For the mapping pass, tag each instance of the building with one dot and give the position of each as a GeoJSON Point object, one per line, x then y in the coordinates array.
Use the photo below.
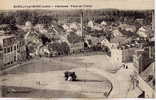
{"type": "Point", "coordinates": [13, 50]}
{"type": "Point", "coordinates": [21, 50]}
{"type": "Point", "coordinates": [1, 57]}
{"type": "Point", "coordinates": [141, 59]}
{"type": "Point", "coordinates": [152, 48]}
{"type": "Point", "coordinates": [149, 75]}
{"type": "Point", "coordinates": [144, 57]}
{"type": "Point", "coordinates": [128, 54]}
{"type": "Point", "coordinates": [116, 56]}
{"type": "Point", "coordinates": [9, 56]}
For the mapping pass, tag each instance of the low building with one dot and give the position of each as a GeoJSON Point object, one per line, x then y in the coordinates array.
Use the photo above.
{"type": "Point", "coordinates": [13, 50]}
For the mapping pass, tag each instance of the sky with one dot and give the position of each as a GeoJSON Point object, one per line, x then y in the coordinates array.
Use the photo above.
{"type": "Point", "coordinates": [94, 4]}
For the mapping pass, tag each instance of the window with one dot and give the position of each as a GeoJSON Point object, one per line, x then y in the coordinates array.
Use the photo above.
{"type": "Point", "coordinates": [5, 50]}
{"type": "Point", "coordinates": [14, 47]}
{"type": "Point", "coordinates": [11, 49]}
{"type": "Point", "coordinates": [11, 62]}
{"type": "Point", "coordinates": [1, 55]}
{"type": "Point", "coordinates": [14, 58]}
{"type": "Point", "coordinates": [8, 49]}
{"type": "Point", "coordinates": [1, 48]}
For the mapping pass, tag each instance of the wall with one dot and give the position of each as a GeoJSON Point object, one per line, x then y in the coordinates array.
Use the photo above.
{"type": "Point", "coordinates": [142, 60]}
{"type": "Point", "coordinates": [128, 55]}
{"type": "Point", "coordinates": [1, 59]}
{"type": "Point", "coordinates": [116, 55]}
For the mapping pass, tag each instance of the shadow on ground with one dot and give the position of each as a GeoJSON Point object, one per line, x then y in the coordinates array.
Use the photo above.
{"type": "Point", "coordinates": [84, 80]}
{"type": "Point", "coordinates": [41, 66]}
{"type": "Point", "coordinates": [25, 92]}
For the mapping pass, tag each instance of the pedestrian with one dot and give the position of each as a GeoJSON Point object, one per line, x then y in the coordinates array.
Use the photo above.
{"type": "Point", "coordinates": [126, 67]}
{"type": "Point", "coordinates": [70, 76]}
{"type": "Point", "coordinates": [66, 75]}
{"type": "Point", "coordinates": [123, 66]}
{"type": "Point", "coordinates": [74, 76]}
{"type": "Point", "coordinates": [137, 83]}
{"type": "Point", "coordinates": [133, 81]}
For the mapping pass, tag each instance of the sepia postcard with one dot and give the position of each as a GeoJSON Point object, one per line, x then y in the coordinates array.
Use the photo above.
{"type": "Point", "coordinates": [77, 49]}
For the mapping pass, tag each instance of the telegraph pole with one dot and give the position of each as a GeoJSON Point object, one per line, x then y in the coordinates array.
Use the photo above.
{"type": "Point", "coordinates": [83, 34]}
{"type": "Point", "coordinates": [81, 18]}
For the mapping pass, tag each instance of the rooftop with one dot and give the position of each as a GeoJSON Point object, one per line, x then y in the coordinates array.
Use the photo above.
{"type": "Point", "coordinates": [149, 71]}
{"type": "Point", "coordinates": [4, 37]}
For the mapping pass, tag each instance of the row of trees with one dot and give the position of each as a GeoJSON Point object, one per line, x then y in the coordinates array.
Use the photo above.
{"type": "Point", "coordinates": [20, 17]}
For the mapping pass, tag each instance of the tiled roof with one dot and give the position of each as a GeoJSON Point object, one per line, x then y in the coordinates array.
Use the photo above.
{"type": "Point", "coordinates": [149, 71]}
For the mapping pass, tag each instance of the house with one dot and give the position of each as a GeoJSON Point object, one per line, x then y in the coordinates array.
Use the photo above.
{"type": "Point", "coordinates": [40, 28]}
{"type": "Point", "coordinates": [90, 24]}
{"type": "Point", "coordinates": [116, 32]}
{"type": "Point", "coordinates": [65, 26]}
{"type": "Point", "coordinates": [12, 50]}
{"type": "Point", "coordinates": [9, 45]}
{"type": "Point", "coordinates": [28, 26]}
{"type": "Point", "coordinates": [44, 51]}
{"type": "Point", "coordinates": [142, 32]}
{"type": "Point", "coordinates": [73, 26]}
{"type": "Point", "coordinates": [94, 40]}
{"type": "Point", "coordinates": [105, 42]}
{"type": "Point", "coordinates": [128, 28]}
{"type": "Point", "coordinates": [120, 39]}
{"type": "Point", "coordinates": [140, 21]}
{"type": "Point", "coordinates": [33, 41]}
{"type": "Point", "coordinates": [103, 23]}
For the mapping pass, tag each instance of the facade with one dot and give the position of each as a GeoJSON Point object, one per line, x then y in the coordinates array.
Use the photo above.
{"type": "Point", "coordinates": [142, 60]}
{"type": "Point", "coordinates": [9, 54]}
{"type": "Point", "coordinates": [1, 57]}
{"type": "Point", "coordinates": [137, 59]}
{"type": "Point", "coordinates": [152, 48]}
{"type": "Point", "coordinates": [116, 55]}
{"type": "Point", "coordinates": [12, 50]}
{"type": "Point", "coordinates": [21, 50]}
{"type": "Point", "coordinates": [128, 54]}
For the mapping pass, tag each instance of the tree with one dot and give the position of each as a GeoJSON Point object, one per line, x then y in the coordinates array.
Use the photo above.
{"type": "Point", "coordinates": [73, 38]}
{"type": "Point", "coordinates": [44, 39]}
{"type": "Point", "coordinates": [65, 48]}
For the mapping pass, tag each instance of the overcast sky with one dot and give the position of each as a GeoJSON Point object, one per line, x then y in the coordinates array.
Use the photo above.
{"type": "Point", "coordinates": [96, 4]}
